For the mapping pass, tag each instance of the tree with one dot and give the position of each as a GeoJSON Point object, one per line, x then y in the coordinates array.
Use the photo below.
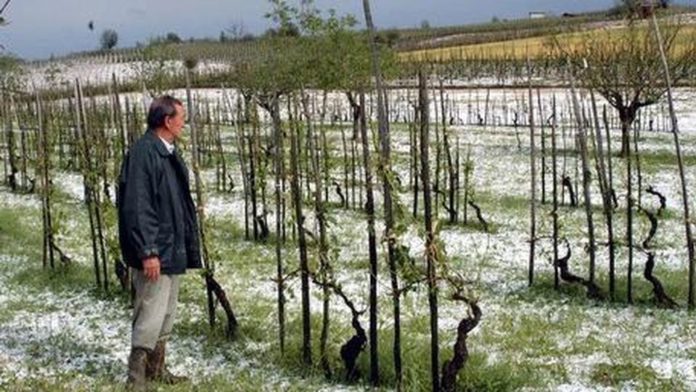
{"type": "Point", "coordinates": [236, 31]}
{"type": "Point", "coordinates": [154, 70]}
{"type": "Point", "coordinates": [642, 8]}
{"type": "Point", "coordinates": [430, 245]}
{"type": "Point", "coordinates": [3, 22]}
{"type": "Point", "coordinates": [624, 67]}
{"type": "Point", "coordinates": [386, 174]}
{"type": "Point", "coordinates": [389, 37]}
{"type": "Point", "coordinates": [630, 5]}
{"type": "Point", "coordinates": [11, 72]}
{"type": "Point", "coordinates": [682, 176]}
{"type": "Point", "coordinates": [327, 55]}
{"type": "Point", "coordinates": [283, 15]}
{"type": "Point", "coordinates": [109, 39]}
{"type": "Point", "coordinates": [173, 38]}
{"type": "Point", "coordinates": [2, 9]}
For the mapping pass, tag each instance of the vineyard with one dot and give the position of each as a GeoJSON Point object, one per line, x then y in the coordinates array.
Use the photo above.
{"type": "Point", "coordinates": [369, 219]}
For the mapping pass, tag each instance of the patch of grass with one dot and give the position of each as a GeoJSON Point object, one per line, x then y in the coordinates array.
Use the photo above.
{"type": "Point", "coordinates": [534, 334]}
{"type": "Point", "coordinates": [615, 375]}
{"type": "Point", "coordinates": [674, 282]}
{"type": "Point", "coordinates": [64, 382]}
{"type": "Point", "coordinates": [17, 236]}
{"type": "Point", "coordinates": [660, 159]}
{"type": "Point", "coordinates": [478, 375]}
{"type": "Point", "coordinates": [69, 277]}
{"type": "Point", "coordinates": [9, 308]}
{"type": "Point", "coordinates": [242, 381]}
{"type": "Point", "coordinates": [473, 225]}
{"type": "Point", "coordinates": [508, 203]}
{"type": "Point", "coordinates": [60, 349]}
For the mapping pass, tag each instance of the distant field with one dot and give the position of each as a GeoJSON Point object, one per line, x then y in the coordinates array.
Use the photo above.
{"type": "Point", "coordinates": [505, 30]}
{"type": "Point", "coordinates": [443, 37]}
{"type": "Point", "coordinates": [537, 47]}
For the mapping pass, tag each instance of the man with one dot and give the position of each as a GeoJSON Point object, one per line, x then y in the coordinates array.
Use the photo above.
{"type": "Point", "coordinates": [158, 233]}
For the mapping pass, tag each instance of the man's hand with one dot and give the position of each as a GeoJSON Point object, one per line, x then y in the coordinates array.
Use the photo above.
{"type": "Point", "coordinates": [151, 268]}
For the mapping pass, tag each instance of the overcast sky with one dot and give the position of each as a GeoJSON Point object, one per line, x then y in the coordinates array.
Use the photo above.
{"type": "Point", "coordinates": [39, 28]}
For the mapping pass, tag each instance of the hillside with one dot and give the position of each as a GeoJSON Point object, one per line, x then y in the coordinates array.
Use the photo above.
{"type": "Point", "coordinates": [538, 46]}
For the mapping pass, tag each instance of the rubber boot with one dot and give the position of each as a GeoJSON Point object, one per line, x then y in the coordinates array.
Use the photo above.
{"type": "Point", "coordinates": [137, 367]}
{"type": "Point", "coordinates": [156, 370]}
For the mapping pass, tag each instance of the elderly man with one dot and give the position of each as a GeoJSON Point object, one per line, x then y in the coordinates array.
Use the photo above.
{"type": "Point", "coordinates": [158, 233]}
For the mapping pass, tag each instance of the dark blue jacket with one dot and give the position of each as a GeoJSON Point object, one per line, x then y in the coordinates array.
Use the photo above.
{"type": "Point", "coordinates": [156, 215]}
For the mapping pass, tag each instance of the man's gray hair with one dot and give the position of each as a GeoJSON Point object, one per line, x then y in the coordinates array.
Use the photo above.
{"type": "Point", "coordinates": [160, 109]}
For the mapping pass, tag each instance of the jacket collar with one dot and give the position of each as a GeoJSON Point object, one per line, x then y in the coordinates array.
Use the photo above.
{"type": "Point", "coordinates": [159, 145]}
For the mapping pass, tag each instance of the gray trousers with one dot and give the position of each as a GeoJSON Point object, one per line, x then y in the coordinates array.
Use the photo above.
{"type": "Point", "coordinates": [155, 308]}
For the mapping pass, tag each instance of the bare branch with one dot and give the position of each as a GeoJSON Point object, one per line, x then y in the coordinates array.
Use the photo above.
{"type": "Point", "coordinates": [7, 2]}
